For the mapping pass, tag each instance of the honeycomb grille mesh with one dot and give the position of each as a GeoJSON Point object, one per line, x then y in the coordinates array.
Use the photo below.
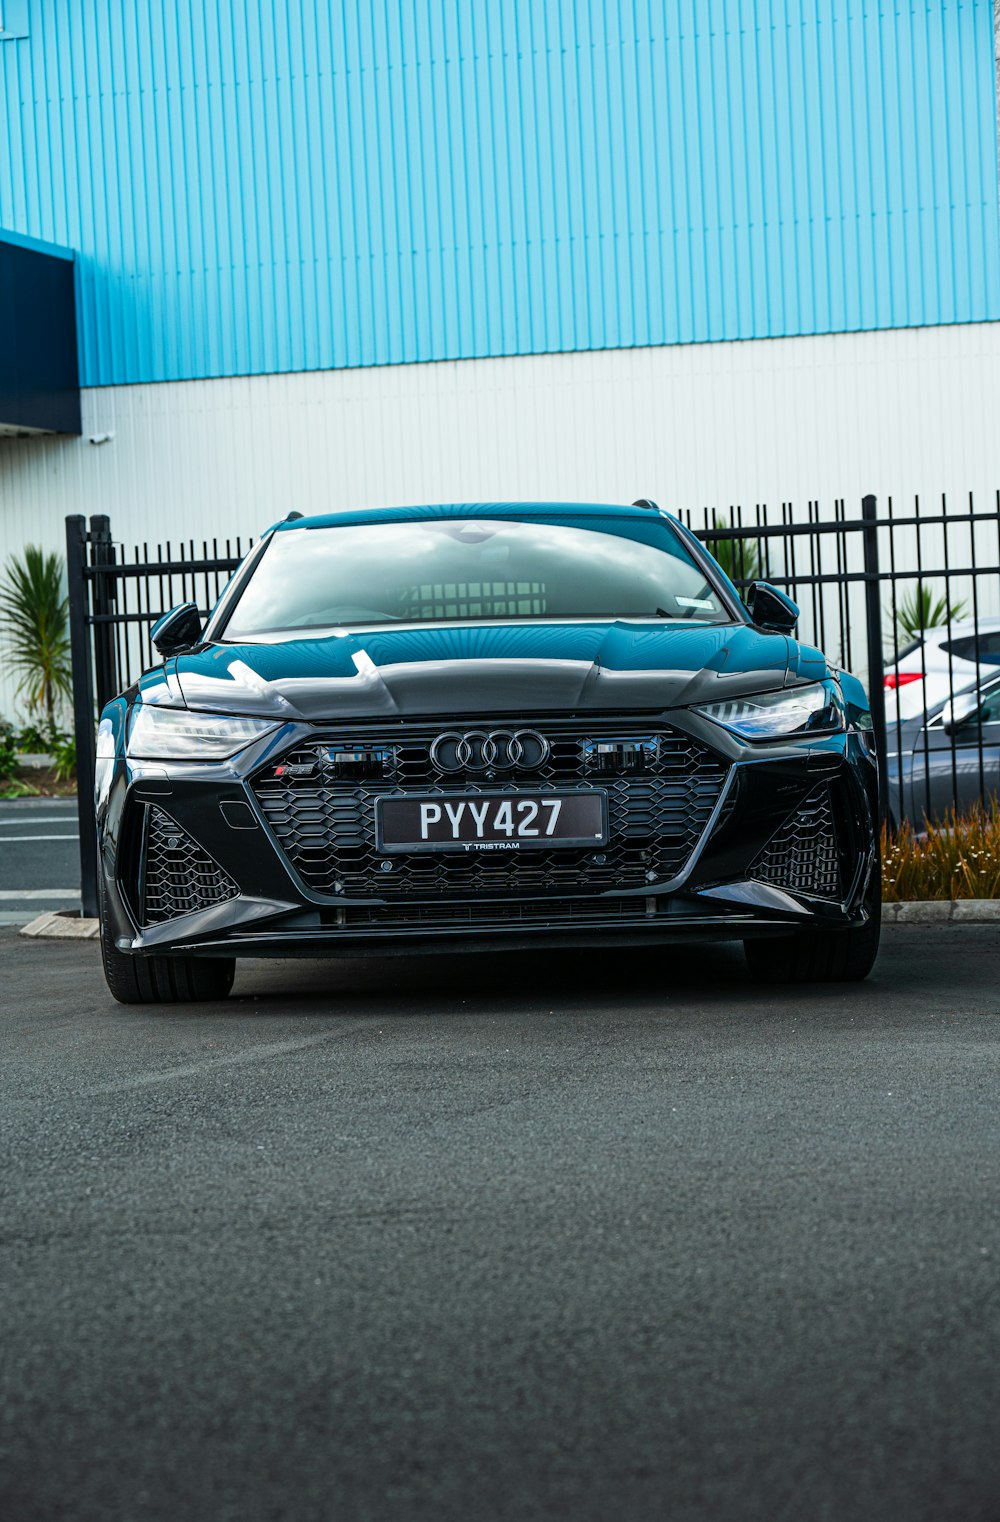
{"type": "Point", "coordinates": [657, 812]}
{"type": "Point", "coordinates": [802, 857]}
{"type": "Point", "coordinates": [179, 875]}
{"type": "Point", "coordinates": [501, 913]}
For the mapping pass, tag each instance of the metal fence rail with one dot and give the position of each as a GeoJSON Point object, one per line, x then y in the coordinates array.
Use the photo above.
{"type": "Point", "coordinates": [851, 577]}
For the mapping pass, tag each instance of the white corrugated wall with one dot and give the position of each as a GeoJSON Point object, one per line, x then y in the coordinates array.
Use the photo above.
{"type": "Point", "coordinates": [904, 412]}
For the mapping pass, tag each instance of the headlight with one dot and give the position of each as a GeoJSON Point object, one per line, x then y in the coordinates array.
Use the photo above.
{"type": "Point", "coordinates": [812, 710]}
{"type": "Point", "coordinates": [174, 734]}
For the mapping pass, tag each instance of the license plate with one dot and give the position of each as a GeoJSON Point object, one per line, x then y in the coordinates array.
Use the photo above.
{"type": "Point", "coordinates": [491, 821]}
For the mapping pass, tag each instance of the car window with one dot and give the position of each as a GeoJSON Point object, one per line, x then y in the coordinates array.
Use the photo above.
{"type": "Point", "coordinates": [461, 569]}
{"type": "Point", "coordinates": [990, 711]}
{"type": "Point", "coordinates": [965, 648]}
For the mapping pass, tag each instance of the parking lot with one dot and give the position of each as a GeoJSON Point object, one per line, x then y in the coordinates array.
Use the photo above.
{"type": "Point", "coordinates": [535, 1236]}
{"type": "Point", "coordinates": [39, 858]}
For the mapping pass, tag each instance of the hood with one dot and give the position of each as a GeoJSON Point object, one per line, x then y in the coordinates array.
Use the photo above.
{"type": "Point", "coordinates": [466, 669]}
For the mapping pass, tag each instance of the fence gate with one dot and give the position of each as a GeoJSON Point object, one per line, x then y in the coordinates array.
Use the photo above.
{"type": "Point", "coordinates": [851, 577]}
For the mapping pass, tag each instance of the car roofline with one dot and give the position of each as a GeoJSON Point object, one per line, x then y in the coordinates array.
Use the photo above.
{"type": "Point", "coordinates": [447, 510]}
{"type": "Point", "coordinates": [959, 627]}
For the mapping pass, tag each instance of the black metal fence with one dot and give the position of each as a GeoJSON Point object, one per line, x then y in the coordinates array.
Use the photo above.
{"type": "Point", "coordinates": [116, 594]}
{"type": "Point", "coordinates": [869, 584]}
{"type": "Point", "coordinates": [908, 598]}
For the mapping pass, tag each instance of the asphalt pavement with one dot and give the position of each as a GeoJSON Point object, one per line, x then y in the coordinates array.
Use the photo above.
{"type": "Point", "coordinates": [594, 1236]}
{"type": "Point", "coordinates": [39, 857]}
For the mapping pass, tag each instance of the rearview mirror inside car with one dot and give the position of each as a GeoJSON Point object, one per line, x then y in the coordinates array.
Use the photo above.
{"type": "Point", "coordinates": [177, 630]}
{"type": "Point", "coordinates": [770, 609]}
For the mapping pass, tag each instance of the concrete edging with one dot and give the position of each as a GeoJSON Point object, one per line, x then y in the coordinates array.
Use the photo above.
{"type": "Point", "coordinates": [59, 926]}
{"type": "Point", "coordinates": [956, 911]}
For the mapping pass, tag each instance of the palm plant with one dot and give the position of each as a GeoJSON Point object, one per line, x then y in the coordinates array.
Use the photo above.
{"type": "Point", "coordinates": [740, 558]}
{"type": "Point", "coordinates": [920, 610]}
{"type": "Point", "coordinates": [34, 618]}
{"type": "Point", "coordinates": [8, 751]}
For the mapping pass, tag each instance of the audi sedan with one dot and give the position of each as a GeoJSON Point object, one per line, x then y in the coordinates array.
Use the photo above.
{"type": "Point", "coordinates": [481, 726]}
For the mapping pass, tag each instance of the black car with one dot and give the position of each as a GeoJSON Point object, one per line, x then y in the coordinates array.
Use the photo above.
{"type": "Point", "coordinates": [481, 726]}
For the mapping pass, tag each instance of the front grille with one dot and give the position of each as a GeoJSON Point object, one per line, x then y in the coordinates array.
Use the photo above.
{"type": "Point", "coordinates": [659, 802]}
{"type": "Point", "coordinates": [179, 876]}
{"type": "Point", "coordinates": [802, 857]}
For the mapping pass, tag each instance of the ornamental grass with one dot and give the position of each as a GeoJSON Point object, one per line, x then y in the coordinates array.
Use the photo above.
{"type": "Point", "coordinates": [956, 858]}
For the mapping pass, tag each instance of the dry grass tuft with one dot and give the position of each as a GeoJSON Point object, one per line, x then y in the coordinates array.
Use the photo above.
{"type": "Point", "coordinates": [958, 858]}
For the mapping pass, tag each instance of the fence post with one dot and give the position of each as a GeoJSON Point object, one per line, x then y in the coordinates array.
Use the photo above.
{"type": "Point", "coordinates": [876, 660]}
{"type": "Point", "coordinates": [104, 597]}
{"type": "Point", "coordinates": [83, 707]}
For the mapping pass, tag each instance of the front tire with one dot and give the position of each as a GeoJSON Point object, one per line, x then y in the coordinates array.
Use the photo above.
{"type": "Point", "coordinates": [821, 956]}
{"type": "Point", "coordinates": [159, 979]}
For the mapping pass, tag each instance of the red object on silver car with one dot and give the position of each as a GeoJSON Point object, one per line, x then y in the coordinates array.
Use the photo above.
{"type": "Point", "coordinates": [895, 679]}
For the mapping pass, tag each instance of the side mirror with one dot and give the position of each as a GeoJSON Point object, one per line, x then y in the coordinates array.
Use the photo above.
{"type": "Point", "coordinates": [770, 609]}
{"type": "Point", "coordinates": [177, 630]}
{"type": "Point", "coordinates": [959, 710]}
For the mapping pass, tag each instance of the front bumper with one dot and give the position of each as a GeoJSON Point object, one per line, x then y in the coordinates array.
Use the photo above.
{"type": "Point", "coordinates": [746, 868]}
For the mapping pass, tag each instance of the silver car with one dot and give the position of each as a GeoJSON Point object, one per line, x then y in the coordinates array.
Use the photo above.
{"type": "Point", "coordinates": [942, 661]}
{"type": "Point", "coordinates": [950, 759]}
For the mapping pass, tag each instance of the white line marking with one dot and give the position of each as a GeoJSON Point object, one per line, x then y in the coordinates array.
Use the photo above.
{"type": "Point", "coordinates": [42, 819]}
{"type": "Point", "coordinates": [6, 840]}
{"type": "Point", "coordinates": [24, 894]}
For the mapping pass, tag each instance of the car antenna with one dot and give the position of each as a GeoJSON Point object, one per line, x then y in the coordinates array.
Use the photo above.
{"type": "Point", "coordinates": [647, 502]}
{"type": "Point", "coordinates": [291, 517]}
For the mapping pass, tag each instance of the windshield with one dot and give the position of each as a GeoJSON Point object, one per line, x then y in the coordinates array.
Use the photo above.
{"type": "Point", "coordinates": [463, 569]}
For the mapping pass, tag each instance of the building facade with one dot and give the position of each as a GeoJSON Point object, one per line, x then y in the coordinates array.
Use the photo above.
{"type": "Point", "coordinates": [340, 251]}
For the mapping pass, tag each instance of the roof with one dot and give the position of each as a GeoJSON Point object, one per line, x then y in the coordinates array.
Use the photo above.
{"type": "Point", "coordinates": [464, 510]}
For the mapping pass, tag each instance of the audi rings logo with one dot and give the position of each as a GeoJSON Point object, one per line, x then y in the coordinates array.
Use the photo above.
{"type": "Point", "coordinates": [497, 750]}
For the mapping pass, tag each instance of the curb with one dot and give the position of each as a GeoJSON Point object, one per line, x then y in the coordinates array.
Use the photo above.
{"type": "Point", "coordinates": [958, 911]}
{"type": "Point", "coordinates": [61, 926]}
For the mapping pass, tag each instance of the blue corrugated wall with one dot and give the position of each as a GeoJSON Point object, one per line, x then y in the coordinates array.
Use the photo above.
{"type": "Point", "coordinates": [267, 185]}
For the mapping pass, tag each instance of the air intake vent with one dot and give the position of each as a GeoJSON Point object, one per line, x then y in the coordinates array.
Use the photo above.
{"type": "Point", "coordinates": [179, 876]}
{"type": "Point", "coordinates": [802, 857]}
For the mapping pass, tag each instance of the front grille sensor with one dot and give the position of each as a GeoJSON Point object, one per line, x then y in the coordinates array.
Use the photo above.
{"type": "Point", "coordinates": [324, 821]}
{"type": "Point", "coordinates": [179, 876]}
{"type": "Point", "coordinates": [802, 856]}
